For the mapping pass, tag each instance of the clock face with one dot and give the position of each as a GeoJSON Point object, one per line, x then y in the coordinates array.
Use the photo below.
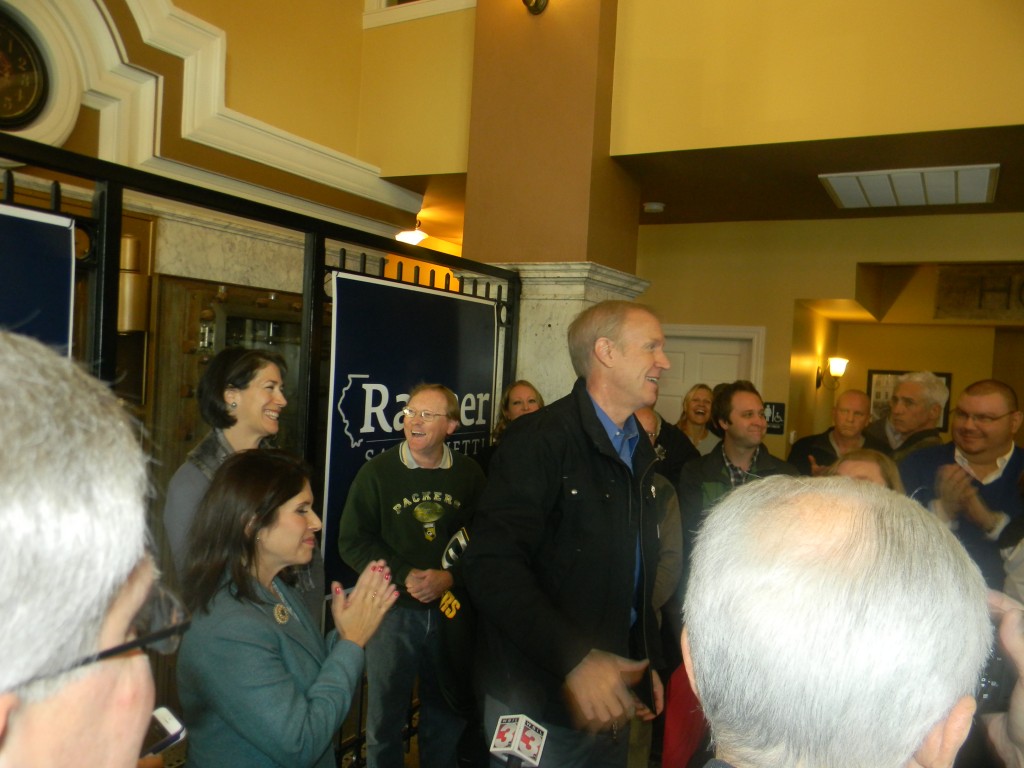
{"type": "Point", "coordinates": [23, 76]}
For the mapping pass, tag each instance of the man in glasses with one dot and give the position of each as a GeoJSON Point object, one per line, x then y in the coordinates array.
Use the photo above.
{"type": "Point", "coordinates": [972, 483]}
{"type": "Point", "coordinates": [76, 585]}
{"type": "Point", "coordinates": [404, 506]}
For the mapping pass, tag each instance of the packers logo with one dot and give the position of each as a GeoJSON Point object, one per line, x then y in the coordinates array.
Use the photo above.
{"type": "Point", "coordinates": [428, 511]}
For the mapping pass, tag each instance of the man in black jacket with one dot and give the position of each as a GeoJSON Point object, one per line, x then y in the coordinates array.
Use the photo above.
{"type": "Point", "coordinates": [564, 547]}
{"type": "Point", "coordinates": [812, 455]}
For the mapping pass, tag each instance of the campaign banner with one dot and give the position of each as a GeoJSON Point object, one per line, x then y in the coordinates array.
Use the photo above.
{"type": "Point", "coordinates": [37, 255]}
{"type": "Point", "coordinates": [387, 338]}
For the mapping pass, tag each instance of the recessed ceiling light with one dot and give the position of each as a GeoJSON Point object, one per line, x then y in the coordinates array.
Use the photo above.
{"type": "Point", "coordinates": [654, 207]}
{"type": "Point", "coordinates": [952, 185]}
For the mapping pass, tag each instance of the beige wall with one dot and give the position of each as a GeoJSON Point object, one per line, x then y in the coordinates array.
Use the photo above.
{"type": "Point", "coordinates": [396, 96]}
{"type": "Point", "coordinates": [757, 273]}
{"type": "Point", "coordinates": [687, 75]}
{"type": "Point", "coordinates": [415, 90]}
{"type": "Point", "coordinates": [299, 72]}
{"type": "Point", "coordinates": [966, 352]}
{"type": "Point", "coordinates": [809, 408]}
{"type": "Point", "coordinates": [750, 72]}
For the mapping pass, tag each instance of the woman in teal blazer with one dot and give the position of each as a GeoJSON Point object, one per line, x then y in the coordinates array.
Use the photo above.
{"type": "Point", "coordinates": [259, 684]}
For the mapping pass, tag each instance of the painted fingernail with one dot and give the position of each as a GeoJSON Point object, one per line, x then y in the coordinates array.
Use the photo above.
{"type": "Point", "coordinates": [337, 589]}
{"type": "Point", "coordinates": [387, 577]}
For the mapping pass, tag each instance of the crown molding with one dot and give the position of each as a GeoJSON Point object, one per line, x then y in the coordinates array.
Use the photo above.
{"type": "Point", "coordinates": [206, 120]}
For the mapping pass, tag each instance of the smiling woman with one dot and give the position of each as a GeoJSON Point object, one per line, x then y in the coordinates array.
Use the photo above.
{"type": "Point", "coordinates": [240, 397]}
{"type": "Point", "coordinates": [259, 684]}
{"type": "Point", "coordinates": [696, 414]}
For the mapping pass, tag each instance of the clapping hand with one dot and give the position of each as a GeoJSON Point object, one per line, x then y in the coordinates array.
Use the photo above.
{"type": "Point", "coordinates": [358, 614]}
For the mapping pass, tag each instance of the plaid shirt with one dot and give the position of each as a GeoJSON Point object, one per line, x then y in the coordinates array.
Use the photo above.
{"type": "Point", "coordinates": [738, 476]}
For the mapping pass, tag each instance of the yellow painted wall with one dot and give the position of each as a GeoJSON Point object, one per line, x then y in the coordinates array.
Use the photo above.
{"type": "Point", "coordinates": [966, 352]}
{"type": "Point", "coordinates": [754, 273]}
{"type": "Point", "coordinates": [706, 73]}
{"type": "Point", "coordinates": [416, 83]}
{"type": "Point", "coordinates": [296, 67]}
{"type": "Point", "coordinates": [809, 408]}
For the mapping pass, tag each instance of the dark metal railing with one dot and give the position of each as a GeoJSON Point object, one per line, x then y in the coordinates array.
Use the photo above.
{"type": "Point", "coordinates": [111, 181]}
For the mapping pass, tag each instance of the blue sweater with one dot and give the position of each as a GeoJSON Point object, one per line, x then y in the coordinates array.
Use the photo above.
{"type": "Point", "coordinates": [918, 473]}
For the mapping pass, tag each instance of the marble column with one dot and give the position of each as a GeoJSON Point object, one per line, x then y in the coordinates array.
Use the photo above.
{"type": "Point", "coordinates": [552, 295]}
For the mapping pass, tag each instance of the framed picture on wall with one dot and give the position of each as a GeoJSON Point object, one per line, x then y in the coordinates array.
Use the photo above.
{"type": "Point", "coordinates": [882, 384]}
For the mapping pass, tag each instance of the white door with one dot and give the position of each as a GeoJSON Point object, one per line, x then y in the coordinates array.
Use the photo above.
{"type": "Point", "coordinates": [707, 355]}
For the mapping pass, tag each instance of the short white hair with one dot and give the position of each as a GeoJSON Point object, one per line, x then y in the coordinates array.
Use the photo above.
{"type": "Point", "coordinates": [935, 390]}
{"type": "Point", "coordinates": [831, 623]}
{"type": "Point", "coordinates": [72, 518]}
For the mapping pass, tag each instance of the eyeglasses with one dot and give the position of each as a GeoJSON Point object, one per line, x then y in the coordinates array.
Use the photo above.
{"type": "Point", "coordinates": [982, 419]}
{"type": "Point", "coordinates": [158, 626]}
{"type": "Point", "coordinates": [427, 416]}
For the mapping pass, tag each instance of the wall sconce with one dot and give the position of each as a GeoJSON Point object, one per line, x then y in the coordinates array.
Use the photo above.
{"type": "Point", "coordinates": [835, 368]}
{"type": "Point", "coordinates": [535, 6]}
{"type": "Point", "coordinates": [412, 236]}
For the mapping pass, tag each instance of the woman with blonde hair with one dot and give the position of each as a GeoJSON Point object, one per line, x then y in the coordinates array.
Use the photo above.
{"type": "Point", "coordinates": [519, 398]}
{"type": "Point", "coordinates": [693, 421]}
{"type": "Point", "coordinates": [870, 465]}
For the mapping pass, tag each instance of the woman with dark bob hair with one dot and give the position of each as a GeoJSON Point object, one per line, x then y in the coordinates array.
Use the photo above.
{"type": "Point", "coordinates": [241, 397]}
{"type": "Point", "coordinates": [259, 684]}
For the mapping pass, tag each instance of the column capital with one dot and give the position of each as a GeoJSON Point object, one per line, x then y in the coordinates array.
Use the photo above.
{"type": "Point", "coordinates": [584, 281]}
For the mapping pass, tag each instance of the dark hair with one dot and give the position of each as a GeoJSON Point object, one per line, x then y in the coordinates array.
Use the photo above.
{"type": "Point", "coordinates": [231, 368]}
{"type": "Point", "coordinates": [244, 497]}
{"type": "Point", "coordinates": [721, 402]}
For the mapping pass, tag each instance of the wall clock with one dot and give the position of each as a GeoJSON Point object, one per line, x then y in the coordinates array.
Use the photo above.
{"type": "Point", "coordinates": [24, 79]}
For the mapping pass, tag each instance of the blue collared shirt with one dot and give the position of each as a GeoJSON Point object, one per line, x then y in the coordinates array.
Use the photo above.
{"type": "Point", "coordinates": [624, 441]}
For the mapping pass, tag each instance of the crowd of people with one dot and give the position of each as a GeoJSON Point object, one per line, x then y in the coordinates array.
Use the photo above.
{"type": "Point", "coordinates": [639, 589]}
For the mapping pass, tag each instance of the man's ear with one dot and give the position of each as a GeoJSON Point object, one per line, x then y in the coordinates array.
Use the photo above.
{"type": "Point", "coordinates": [1015, 421]}
{"type": "Point", "coordinates": [8, 703]}
{"type": "Point", "coordinates": [453, 424]}
{"type": "Point", "coordinates": [936, 413]}
{"type": "Point", "coordinates": [688, 663]}
{"type": "Point", "coordinates": [939, 748]}
{"type": "Point", "coordinates": [604, 349]}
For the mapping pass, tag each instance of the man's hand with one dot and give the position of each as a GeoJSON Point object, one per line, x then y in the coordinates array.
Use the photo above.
{"type": "Point", "coordinates": [953, 488]}
{"type": "Point", "coordinates": [1006, 729]}
{"type": "Point", "coordinates": [426, 586]}
{"type": "Point", "coordinates": [642, 710]}
{"type": "Point", "coordinates": [598, 689]}
{"type": "Point", "coordinates": [959, 496]}
{"type": "Point", "coordinates": [816, 469]}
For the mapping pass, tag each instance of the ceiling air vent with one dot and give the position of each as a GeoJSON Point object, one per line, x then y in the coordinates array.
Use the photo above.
{"type": "Point", "coordinates": [953, 185]}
